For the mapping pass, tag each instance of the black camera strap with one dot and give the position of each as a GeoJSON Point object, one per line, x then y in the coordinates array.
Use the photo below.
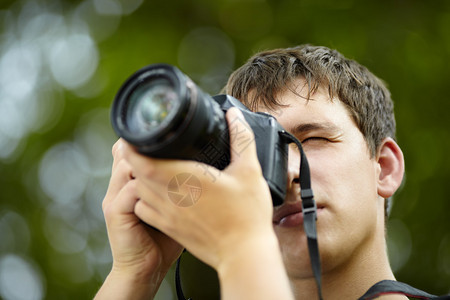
{"type": "Point", "coordinates": [385, 287]}
{"type": "Point", "coordinates": [309, 210]}
{"type": "Point", "coordinates": [178, 287]}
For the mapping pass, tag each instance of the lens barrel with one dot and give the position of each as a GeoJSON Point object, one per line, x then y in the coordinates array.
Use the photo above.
{"type": "Point", "coordinates": [164, 114]}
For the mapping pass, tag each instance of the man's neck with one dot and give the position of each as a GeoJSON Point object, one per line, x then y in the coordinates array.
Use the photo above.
{"type": "Point", "coordinates": [351, 280]}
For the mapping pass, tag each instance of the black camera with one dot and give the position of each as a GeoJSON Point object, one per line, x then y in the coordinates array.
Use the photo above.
{"type": "Point", "coordinates": [164, 114]}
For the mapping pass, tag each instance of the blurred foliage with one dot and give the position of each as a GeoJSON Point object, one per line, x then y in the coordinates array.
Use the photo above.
{"type": "Point", "coordinates": [62, 62]}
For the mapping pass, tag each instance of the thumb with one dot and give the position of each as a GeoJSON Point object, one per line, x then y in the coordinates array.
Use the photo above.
{"type": "Point", "coordinates": [242, 138]}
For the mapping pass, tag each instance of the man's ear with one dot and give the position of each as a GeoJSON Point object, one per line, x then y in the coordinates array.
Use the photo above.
{"type": "Point", "coordinates": [392, 167]}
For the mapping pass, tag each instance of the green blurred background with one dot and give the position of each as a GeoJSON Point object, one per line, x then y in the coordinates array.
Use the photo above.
{"type": "Point", "coordinates": [62, 61]}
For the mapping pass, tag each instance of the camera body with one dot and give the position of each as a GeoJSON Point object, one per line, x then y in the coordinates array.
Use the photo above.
{"type": "Point", "coordinates": [164, 114]}
{"type": "Point", "coordinates": [271, 147]}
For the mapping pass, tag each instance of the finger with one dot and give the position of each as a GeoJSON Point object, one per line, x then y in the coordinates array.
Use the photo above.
{"type": "Point", "coordinates": [242, 138]}
{"type": "Point", "coordinates": [123, 204]}
{"type": "Point", "coordinates": [157, 173]}
{"type": "Point", "coordinates": [117, 152]}
{"type": "Point", "coordinates": [152, 193]}
{"type": "Point", "coordinates": [120, 176]}
{"type": "Point", "coordinates": [148, 214]}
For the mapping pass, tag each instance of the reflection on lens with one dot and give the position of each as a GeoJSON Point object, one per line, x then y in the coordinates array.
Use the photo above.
{"type": "Point", "coordinates": [150, 105]}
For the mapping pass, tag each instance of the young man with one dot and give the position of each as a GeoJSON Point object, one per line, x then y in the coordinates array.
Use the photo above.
{"type": "Point", "coordinates": [343, 115]}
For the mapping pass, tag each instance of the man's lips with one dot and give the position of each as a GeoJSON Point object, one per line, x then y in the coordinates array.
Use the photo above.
{"type": "Point", "coordinates": [289, 215]}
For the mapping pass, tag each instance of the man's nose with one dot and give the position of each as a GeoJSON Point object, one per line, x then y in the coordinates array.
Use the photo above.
{"type": "Point", "coordinates": [293, 168]}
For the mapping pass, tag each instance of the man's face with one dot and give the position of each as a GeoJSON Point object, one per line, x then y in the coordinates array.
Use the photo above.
{"type": "Point", "coordinates": [344, 181]}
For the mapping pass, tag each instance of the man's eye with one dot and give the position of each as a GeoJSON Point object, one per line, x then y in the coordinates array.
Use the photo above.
{"type": "Point", "coordinates": [314, 138]}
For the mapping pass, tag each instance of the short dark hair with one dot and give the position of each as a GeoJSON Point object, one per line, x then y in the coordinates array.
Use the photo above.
{"type": "Point", "coordinates": [266, 74]}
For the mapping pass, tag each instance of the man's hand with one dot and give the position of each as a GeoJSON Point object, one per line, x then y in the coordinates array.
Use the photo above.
{"type": "Point", "coordinates": [141, 255]}
{"type": "Point", "coordinates": [230, 225]}
{"type": "Point", "coordinates": [232, 207]}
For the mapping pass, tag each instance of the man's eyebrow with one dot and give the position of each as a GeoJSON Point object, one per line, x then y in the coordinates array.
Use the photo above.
{"type": "Point", "coordinates": [307, 127]}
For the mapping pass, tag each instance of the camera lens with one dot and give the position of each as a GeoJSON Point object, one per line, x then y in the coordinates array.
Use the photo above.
{"type": "Point", "coordinates": [164, 114]}
{"type": "Point", "coordinates": [150, 105]}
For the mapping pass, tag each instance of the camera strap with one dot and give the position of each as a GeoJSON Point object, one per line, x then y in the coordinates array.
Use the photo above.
{"type": "Point", "coordinates": [309, 210]}
{"type": "Point", "coordinates": [178, 287]}
{"type": "Point", "coordinates": [385, 287]}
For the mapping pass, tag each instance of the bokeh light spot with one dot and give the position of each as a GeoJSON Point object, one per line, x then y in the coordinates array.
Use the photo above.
{"type": "Point", "coordinates": [63, 236]}
{"type": "Point", "coordinates": [19, 280]}
{"type": "Point", "coordinates": [19, 69]}
{"type": "Point", "coordinates": [62, 173]}
{"type": "Point", "coordinates": [74, 60]}
{"type": "Point", "coordinates": [108, 7]}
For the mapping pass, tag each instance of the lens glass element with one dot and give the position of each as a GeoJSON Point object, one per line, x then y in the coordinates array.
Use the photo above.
{"type": "Point", "coordinates": [150, 105]}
